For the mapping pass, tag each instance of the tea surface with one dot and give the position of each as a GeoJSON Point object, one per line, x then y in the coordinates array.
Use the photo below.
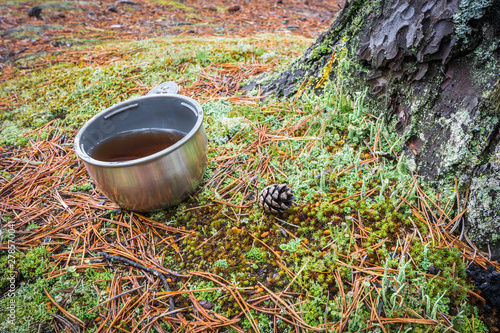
{"type": "Point", "coordinates": [131, 145]}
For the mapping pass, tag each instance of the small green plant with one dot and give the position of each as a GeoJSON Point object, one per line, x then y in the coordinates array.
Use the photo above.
{"type": "Point", "coordinates": [425, 264]}
{"type": "Point", "coordinates": [292, 246]}
{"type": "Point", "coordinates": [6, 175]}
{"type": "Point", "coordinates": [33, 263]}
{"type": "Point", "coordinates": [82, 188]}
{"type": "Point", "coordinates": [222, 263]}
{"type": "Point", "coordinates": [158, 216]}
{"type": "Point", "coordinates": [255, 254]}
{"type": "Point", "coordinates": [207, 295]}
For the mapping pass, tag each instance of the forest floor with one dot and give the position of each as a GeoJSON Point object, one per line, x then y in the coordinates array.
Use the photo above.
{"type": "Point", "coordinates": [62, 25]}
{"type": "Point", "coordinates": [367, 246]}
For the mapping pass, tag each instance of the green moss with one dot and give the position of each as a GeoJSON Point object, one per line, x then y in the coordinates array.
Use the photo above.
{"type": "Point", "coordinates": [256, 254]}
{"type": "Point", "coordinates": [83, 187]}
{"type": "Point", "coordinates": [292, 246]}
{"type": "Point", "coordinates": [452, 271]}
{"type": "Point", "coordinates": [175, 4]}
{"type": "Point", "coordinates": [24, 266]}
{"type": "Point", "coordinates": [222, 263]}
{"type": "Point", "coordinates": [30, 31]}
{"type": "Point", "coordinates": [29, 301]}
{"type": "Point", "coordinates": [12, 134]}
{"type": "Point", "coordinates": [72, 93]}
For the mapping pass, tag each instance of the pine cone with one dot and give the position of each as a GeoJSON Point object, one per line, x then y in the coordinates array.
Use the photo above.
{"type": "Point", "coordinates": [276, 198]}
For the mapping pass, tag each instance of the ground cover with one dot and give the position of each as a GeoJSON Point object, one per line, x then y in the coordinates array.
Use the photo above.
{"type": "Point", "coordinates": [367, 245]}
{"type": "Point", "coordinates": [64, 27]}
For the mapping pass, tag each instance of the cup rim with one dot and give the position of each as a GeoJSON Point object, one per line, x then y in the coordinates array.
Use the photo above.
{"type": "Point", "coordinates": [80, 152]}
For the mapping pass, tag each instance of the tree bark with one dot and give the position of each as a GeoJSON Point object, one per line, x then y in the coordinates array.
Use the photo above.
{"type": "Point", "coordinates": [432, 71]}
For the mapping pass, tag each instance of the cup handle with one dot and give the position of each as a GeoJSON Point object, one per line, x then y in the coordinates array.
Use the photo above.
{"type": "Point", "coordinates": [169, 87]}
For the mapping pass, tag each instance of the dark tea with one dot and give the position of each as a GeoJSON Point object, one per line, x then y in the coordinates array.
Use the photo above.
{"type": "Point", "coordinates": [131, 145]}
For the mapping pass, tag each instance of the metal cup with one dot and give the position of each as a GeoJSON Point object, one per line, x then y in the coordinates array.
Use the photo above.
{"type": "Point", "coordinates": [159, 180]}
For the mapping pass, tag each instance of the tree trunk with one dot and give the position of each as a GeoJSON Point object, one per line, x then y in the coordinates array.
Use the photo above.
{"type": "Point", "coordinates": [432, 70]}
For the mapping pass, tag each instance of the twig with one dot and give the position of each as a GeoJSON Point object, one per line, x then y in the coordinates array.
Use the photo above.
{"type": "Point", "coordinates": [141, 267]}
{"type": "Point", "coordinates": [114, 297]}
{"type": "Point", "coordinates": [65, 322]}
{"type": "Point", "coordinates": [283, 221]}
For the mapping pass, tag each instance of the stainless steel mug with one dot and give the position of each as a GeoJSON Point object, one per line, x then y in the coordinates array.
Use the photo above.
{"type": "Point", "coordinates": [159, 180]}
